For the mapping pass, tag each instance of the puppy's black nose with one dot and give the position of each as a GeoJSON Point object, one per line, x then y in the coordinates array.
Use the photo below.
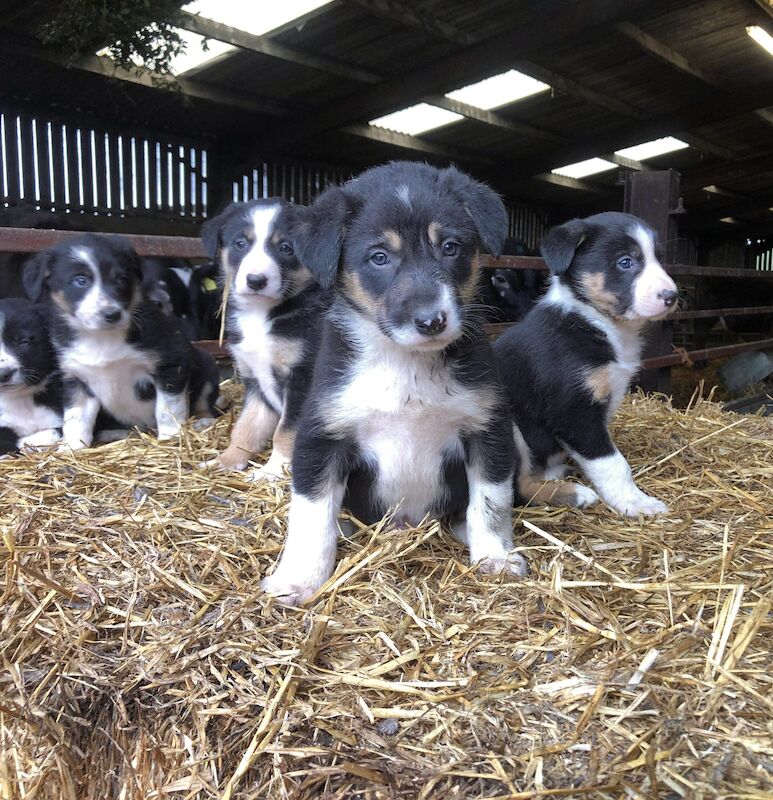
{"type": "Point", "coordinates": [6, 374]}
{"type": "Point", "coordinates": [111, 315]}
{"type": "Point", "coordinates": [669, 297]}
{"type": "Point", "coordinates": [257, 282]}
{"type": "Point", "coordinates": [431, 325]}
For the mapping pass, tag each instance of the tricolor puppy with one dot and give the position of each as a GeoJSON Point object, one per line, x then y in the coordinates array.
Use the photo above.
{"type": "Point", "coordinates": [121, 357]}
{"type": "Point", "coordinates": [30, 388]}
{"type": "Point", "coordinates": [569, 362]}
{"type": "Point", "coordinates": [404, 411]}
{"type": "Point", "coordinates": [273, 319]}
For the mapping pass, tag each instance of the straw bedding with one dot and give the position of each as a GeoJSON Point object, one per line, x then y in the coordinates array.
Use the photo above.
{"type": "Point", "coordinates": [140, 660]}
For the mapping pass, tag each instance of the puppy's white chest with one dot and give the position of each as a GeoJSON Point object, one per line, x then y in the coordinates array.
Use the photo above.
{"type": "Point", "coordinates": [262, 355]}
{"type": "Point", "coordinates": [408, 417]}
{"type": "Point", "coordinates": [19, 412]}
{"type": "Point", "coordinates": [111, 369]}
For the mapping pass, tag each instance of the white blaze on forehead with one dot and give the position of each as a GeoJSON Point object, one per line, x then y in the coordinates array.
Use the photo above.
{"type": "Point", "coordinates": [404, 194]}
{"type": "Point", "coordinates": [258, 259]}
{"type": "Point", "coordinates": [652, 282]}
{"type": "Point", "coordinates": [89, 311]}
{"type": "Point", "coordinates": [87, 257]}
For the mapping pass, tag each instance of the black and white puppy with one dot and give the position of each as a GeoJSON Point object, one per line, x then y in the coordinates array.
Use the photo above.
{"type": "Point", "coordinates": [273, 318]}
{"type": "Point", "coordinates": [569, 362]}
{"type": "Point", "coordinates": [30, 387]}
{"type": "Point", "coordinates": [404, 411]}
{"type": "Point", "coordinates": [121, 357]}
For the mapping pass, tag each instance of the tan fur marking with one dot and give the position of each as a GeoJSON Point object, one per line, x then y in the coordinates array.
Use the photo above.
{"type": "Point", "coordinates": [285, 354]}
{"type": "Point", "coordinates": [598, 381]}
{"type": "Point", "coordinates": [60, 302]}
{"type": "Point", "coordinates": [595, 291]}
{"type": "Point", "coordinates": [284, 441]}
{"type": "Point", "coordinates": [393, 239]}
{"type": "Point", "coordinates": [353, 288]}
{"type": "Point", "coordinates": [275, 237]}
{"type": "Point", "coordinates": [434, 232]}
{"type": "Point", "coordinates": [251, 432]}
{"type": "Point", "coordinates": [469, 288]}
{"type": "Point", "coordinates": [549, 493]}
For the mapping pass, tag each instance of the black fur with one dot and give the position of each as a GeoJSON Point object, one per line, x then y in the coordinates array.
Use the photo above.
{"type": "Point", "coordinates": [29, 380]}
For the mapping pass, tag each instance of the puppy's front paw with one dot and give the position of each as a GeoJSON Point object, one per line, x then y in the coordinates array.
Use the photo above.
{"type": "Point", "coordinates": [645, 505]}
{"type": "Point", "coordinates": [268, 472]}
{"type": "Point", "coordinates": [233, 459]}
{"type": "Point", "coordinates": [44, 438]}
{"type": "Point", "coordinates": [202, 423]}
{"type": "Point", "coordinates": [167, 432]}
{"type": "Point", "coordinates": [512, 563]}
{"type": "Point", "coordinates": [68, 445]}
{"type": "Point", "coordinates": [584, 496]}
{"type": "Point", "coordinates": [290, 590]}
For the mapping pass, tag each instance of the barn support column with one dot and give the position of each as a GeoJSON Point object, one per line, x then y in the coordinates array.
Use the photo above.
{"type": "Point", "coordinates": [653, 196]}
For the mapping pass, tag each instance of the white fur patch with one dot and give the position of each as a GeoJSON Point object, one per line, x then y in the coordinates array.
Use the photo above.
{"type": "Point", "coordinates": [624, 338]}
{"type": "Point", "coordinates": [110, 368]}
{"type": "Point", "coordinates": [259, 353]}
{"type": "Point", "coordinates": [258, 260]}
{"type": "Point", "coordinates": [489, 526]}
{"type": "Point", "coordinates": [309, 553]}
{"type": "Point", "coordinates": [171, 413]}
{"type": "Point", "coordinates": [403, 193]}
{"type": "Point", "coordinates": [405, 410]}
{"type": "Point", "coordinates": [79, 419]}
{"type": "Point", "coordinates": [611, 475]}
{"type": "Point", "coordinates": [652, 281]}
{"type": "Point", "coordinates": [19, 411]}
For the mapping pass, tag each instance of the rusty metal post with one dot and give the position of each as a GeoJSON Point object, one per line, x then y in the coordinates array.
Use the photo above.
{"type": "Point", "coordinates": [653, 196]}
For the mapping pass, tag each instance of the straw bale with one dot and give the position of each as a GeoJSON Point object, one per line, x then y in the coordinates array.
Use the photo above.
{"type": "Point", "coordinates": [140, 659]}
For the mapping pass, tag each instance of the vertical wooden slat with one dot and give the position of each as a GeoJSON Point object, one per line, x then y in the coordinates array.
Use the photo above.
{"type": "Point", "coordinates": [153, 176]}
{"type": "Point", "coordinates": [100, 168]}
{"type": "Point", "coordinates": [12, 158]}
{"type": "Point", "coordinates": [116, 190]}
{"type": "Point", "coordinates": [27, 147]}
{"type": "Point", "coordinates": [90, 174]}
{"type": "Point", "coordinates": [43, 166]}
{"type": "Point", "coordinates": [60, 166]}
{"type": "Point", "coordinates": [126, 193]}
{"type": "Point", "coordinates": [73, 166]}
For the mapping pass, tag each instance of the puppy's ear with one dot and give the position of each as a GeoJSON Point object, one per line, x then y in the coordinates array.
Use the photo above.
{"type": "Point", "coordinates": [561, 243]}
{"type": "Point", "coordinates": [129, 254]}
{"type": "Point", "coordinates": [485, 208]}
{"type": "Point", "coordinates": [318, 233]}
{"type": "Point", "coordinates": [37, 270]}
{"type": "Point", "coordinates": [210, 231]}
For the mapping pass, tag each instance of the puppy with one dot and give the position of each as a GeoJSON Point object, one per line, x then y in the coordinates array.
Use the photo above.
{"type": "Point", "coordinates": [568, 364]}
{"type": "Point", "coordinates": [272, 322]}
{"type": "Point", "coordinates": [30, 387]}
{"type": "Point", "coordinates": [121, 357]}
{"type": "Point", "coordinates": [404, 410]}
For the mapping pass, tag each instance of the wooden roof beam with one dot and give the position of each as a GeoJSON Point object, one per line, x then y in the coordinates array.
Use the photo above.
{"type": "Point", "coordinates": [406, 14]}
{"type": "Point", "coordinates": [675, 59]}
{"type": "Point", "coordinates": [267, 46]}
{"type": "Point", "coordinates": [416, 144]}
{"type": "Point", "coordinates": [476, 62]}
{"type": "Point", "coordinates": [101, 65]}
{"type": "Point", "coordinates": [727, 173]}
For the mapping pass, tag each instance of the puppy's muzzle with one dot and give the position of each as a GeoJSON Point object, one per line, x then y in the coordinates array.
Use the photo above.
{"type": "Point", "coordinates": [431, 323]}
{"type": "Point", "coordinates": [668, 297]}
{"type": "Point", "coordinates": [256, 282]}
{"type": "Point", "coordinates": [111, 315]}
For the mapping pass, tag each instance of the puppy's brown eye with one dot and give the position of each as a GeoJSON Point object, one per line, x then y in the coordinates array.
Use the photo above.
{"type": "Point", "coordinates": [450, 248]}
{"type": "Point", "coordinates": [240, 244]}
{"type": "Point", "coordinates": [626, 262]}
{"type": "Point", "coordinates": [379, 259]}
{"type": "Point", "coordinates": [286, 249]}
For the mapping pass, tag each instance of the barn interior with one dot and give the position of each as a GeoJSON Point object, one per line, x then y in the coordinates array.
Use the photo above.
{"type": "Point", "coordinates": [140, 658]}
{"type": "Point", "coordinates": [563, 107]}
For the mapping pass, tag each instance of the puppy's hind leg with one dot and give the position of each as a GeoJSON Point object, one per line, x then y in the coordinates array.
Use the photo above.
{"type": "Point", "coordinates": [253, 428]}
{"type": "Point", "coordinates": [555, 493]}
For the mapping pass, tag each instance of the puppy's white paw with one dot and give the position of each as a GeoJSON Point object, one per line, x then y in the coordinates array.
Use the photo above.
{"type": "Point", "coordinates": [268, 472]}
{"type": "Point", "coordinates": [231, 459]}
{"type": "Point", "coordinates": [645, 505]}
{"type": "Point", "coordinates": [512, 563]}
{"type": "Point", "coordinates": [66, 446]}
{"type": "Point", "coordinates": [44, 438]}
{"type": "Point", "coordinates": [584, 496]}
{"type": "Point", "coordinates": [202, 423]}
{"type": "Point", "coordinates": [290, 590]}
{"type": "Point", "coordinates": [167, 433]}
